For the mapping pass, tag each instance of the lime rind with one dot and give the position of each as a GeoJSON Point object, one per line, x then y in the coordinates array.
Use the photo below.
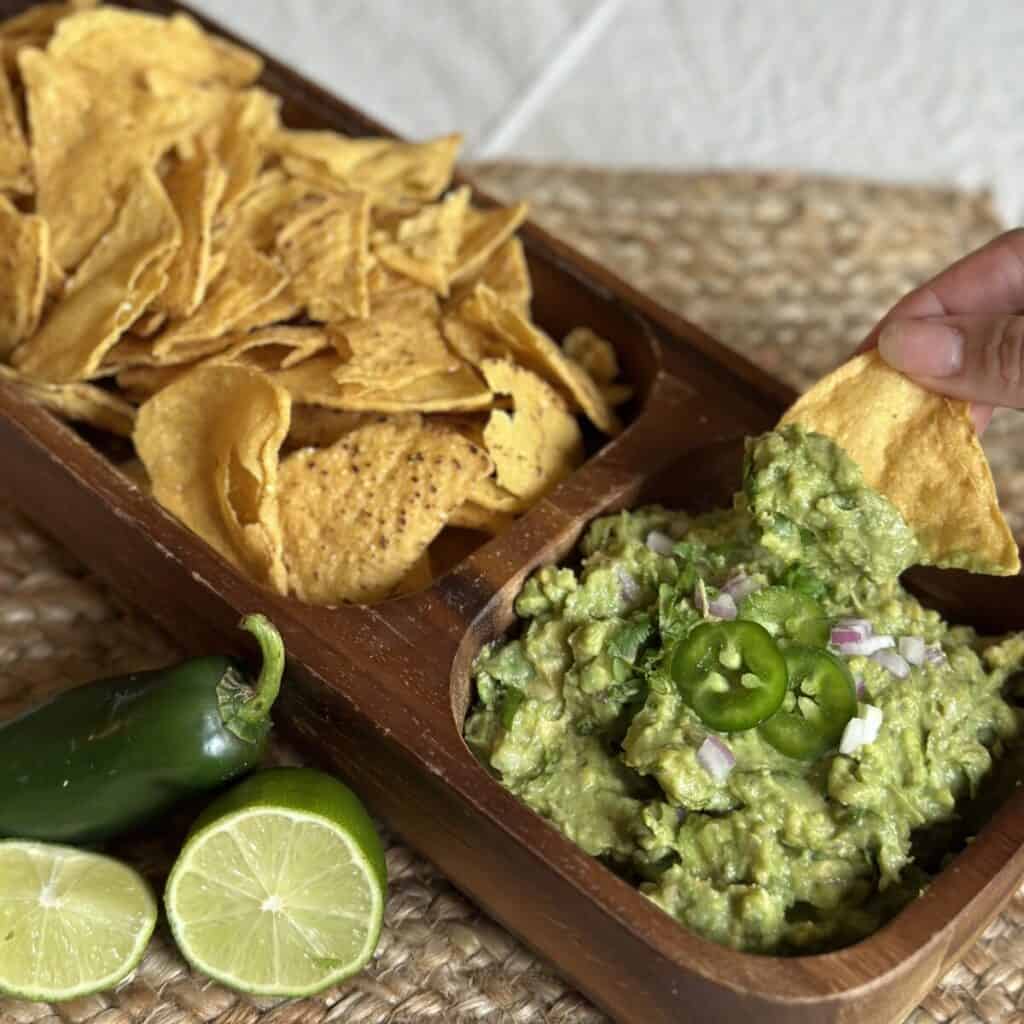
{"type": "Point", "coordinates": [125, 900]}
{"type": "Point", "coordinates": [332, 970]}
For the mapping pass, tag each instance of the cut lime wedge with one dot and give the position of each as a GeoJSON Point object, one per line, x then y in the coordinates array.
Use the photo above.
{"type": "Point", "coordinates": [280, 887]}
{"type": "Point", "coordinates": [71, 922]}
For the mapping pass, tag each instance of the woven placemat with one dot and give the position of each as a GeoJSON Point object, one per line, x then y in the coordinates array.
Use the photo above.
{"type": "Point", "coordinates": [791, 270]}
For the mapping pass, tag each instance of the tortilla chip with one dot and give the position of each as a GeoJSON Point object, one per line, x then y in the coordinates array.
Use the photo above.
{"type": "Point", "coordinates": [110, 290]}
{"type": "Point", "coordinates": [313, 382]}
{"type": "Point", "coordinates": [210, 445]}
{"type": "Point", "coordinates": [34, 28]}
{"type": "Point", "coordinates": [24, 265]}
{"type": "Point", "coordinates": [123, 44]}
{"type": "Point", "coordinates": [269, 207]}
{"type": "Point", "coordinates": [595, 354]}
{"type": "Point", "coordinates": [468, 424]}
{"type": "Point", "coordinates": [472, 516]}
{"type": "Point", "coordinates": [36, 22]}
{"type": "Point", "coordinates": [56, 279]}
{"type": "Point", "coordinates": [399, 344]}
{"type": "Point", "coordinates": [283, 306]}
{"type": "Point", "coordinates": [390, 171]}
{"type": "Point", "coordinates": [131, 350]}
{"type": "Point", "coordinates": [358, 515]}
{"type": "Point", "coordinates": [506, 273]}
{"type": "Point", "coordinates": [15, 162]}
{"type": "Point", "coordinates": [313, 426]}
{"type": "Point", "coordinates": [490, 495]}
{"type": "Point", "coordinates": [269, 349]}
{"type": "Point", "coordinates": [248, 279]}
{"type": "Point", "coordinates": [483, 232]}
{"type": "Point", "coordinates": [920, 450]}
{"type": "Point", "coordinates": [149, 323]}
{"type": "Point", "coordinates": [290, 345]}
{"type": "Point", "coordinates": [424, 246]}
{"type": "Point", "coordinates": [534, 349]}
{"type": "Point", "coordinates": [78, 401]}
{"type": "Point", "coordinates": [195, 187]}
{"type": "Point", "coordinates": [473, 344]}
{"type": "Point", "coordinates": [538, 444]}
{"type": "Point", "coordinates": [238, 137]}
{"type": "Point", "coordinates": [382, 281]}
{"type": "Point", "coordinates": [91, 141]}
{"type": "Point", "coordinates": [325, 251]}
{"type": "Point", "coordinates": [140, 383]}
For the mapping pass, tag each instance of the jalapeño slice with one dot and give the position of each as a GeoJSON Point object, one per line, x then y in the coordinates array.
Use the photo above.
{"type": "Point", "coordinates": [788, 613]}
{"type": "Point", "coordinates": [732, 674]}
{"type": "Point", "coordinates": [824, 699]}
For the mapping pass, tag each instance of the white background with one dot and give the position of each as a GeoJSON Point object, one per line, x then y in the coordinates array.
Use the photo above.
{"type": "Point", "coordinates": [918, 90]}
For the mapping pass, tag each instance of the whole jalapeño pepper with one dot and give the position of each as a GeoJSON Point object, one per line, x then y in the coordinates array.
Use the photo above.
{"type": "Point", "coordinates": [107, 756]}
{"type": "Point", "coordinates": [732, 674]}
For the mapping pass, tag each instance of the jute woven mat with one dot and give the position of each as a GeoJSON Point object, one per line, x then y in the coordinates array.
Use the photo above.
{"type": "Point", "coordinates": [793, 271]}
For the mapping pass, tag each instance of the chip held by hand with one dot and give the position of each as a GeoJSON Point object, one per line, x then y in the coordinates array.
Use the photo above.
{"type": "Point", "coordinates": [921, 451]}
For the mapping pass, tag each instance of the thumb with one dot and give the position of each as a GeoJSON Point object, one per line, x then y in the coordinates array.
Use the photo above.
{"type": "Point", "coordinates": [977, 358]}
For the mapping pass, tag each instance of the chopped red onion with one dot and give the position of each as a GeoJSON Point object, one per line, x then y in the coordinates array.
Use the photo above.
{"type": "Point", "coordinates": [839, 635]}
{"type": "Point", "coordinates": [892, 662]}
{"type": "Point", "coordinates": [629, 589]}
{"type": "Point", "coordinates": [858, 682]}
{"type": "Point", "coordinates": [868, 646]}
{"type": "Point", "coordinates": [862, 627]}
{"type": "Point", "coordinates": [660, 543]}
{"type": "Point", "coordinates": [716, 758]}
{"type": "Point", "coordinates": [853, 736]}
{"type": "Point", "coordinates": [723, 607]}
{"type": "Point", "coordinates": [934, 654]}
{"type": "Point", "coordinates": [912, 648]}
{"type": "Point", "coordinates": [740, 585]}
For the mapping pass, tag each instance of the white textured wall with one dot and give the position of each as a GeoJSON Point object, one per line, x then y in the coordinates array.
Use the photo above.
{"type": "Point", "coordinates": [918, 90]}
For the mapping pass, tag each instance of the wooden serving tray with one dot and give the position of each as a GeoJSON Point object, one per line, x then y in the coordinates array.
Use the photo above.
{"type": "Point", "coordinates": [379, 693]}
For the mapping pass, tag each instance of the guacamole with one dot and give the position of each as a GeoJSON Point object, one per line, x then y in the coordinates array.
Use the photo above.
{"type": "Point", "coordinates": [640, 708]}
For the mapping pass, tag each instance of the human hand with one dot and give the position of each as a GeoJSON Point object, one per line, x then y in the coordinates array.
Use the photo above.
{"type": "Point", "coordinates": [961, 333]}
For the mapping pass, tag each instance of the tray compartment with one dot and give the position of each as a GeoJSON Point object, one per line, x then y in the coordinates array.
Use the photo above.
{"type": "Point", "coordinates": [910, 952]}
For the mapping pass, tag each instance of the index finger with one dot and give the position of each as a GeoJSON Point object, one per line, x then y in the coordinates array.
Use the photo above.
{"type": "Point", "coordinates": [988, 280]}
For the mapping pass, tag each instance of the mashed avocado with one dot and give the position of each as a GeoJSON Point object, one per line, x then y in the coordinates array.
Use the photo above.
{"type": "Point", "coordinates": [584, 716]}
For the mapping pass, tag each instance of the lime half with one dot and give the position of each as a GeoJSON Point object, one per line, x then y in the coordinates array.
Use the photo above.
{"type": "Point", "coordinates": [281, 884]}
{"type": "Point", "coordinates": [71, 922]}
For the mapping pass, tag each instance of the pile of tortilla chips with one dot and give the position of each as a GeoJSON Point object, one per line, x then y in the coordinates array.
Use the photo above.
{"type": "Point", "coordinates": [324, 357]}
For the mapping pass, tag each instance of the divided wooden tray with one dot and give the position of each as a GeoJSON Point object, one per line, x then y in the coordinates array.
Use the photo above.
{"type": "Point", "coordinates": [380, 693]}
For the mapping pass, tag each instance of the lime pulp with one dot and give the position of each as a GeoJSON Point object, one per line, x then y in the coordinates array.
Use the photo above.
{"type": "Point", "coordinates": [71, 922]}
{"type": "Point", "coordinates": [280, 887]}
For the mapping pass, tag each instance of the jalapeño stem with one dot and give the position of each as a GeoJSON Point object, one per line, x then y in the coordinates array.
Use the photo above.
{"type": "Point", "coordinates": [245, 709]}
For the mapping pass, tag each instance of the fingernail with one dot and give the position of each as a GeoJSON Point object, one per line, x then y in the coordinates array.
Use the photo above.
{"type": "Point", "coordinates": [921, 347]}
